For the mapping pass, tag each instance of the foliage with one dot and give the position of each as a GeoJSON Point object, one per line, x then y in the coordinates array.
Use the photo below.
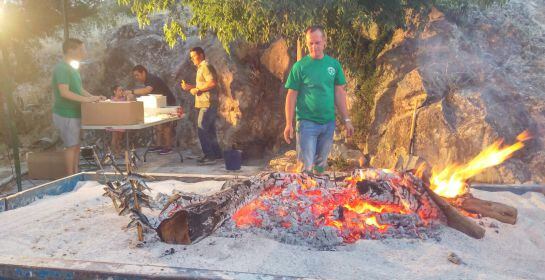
{"type": "Point", "coordinates": [259, 21]}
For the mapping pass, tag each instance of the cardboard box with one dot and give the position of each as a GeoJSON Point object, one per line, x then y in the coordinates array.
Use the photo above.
{"type": "Point", "coordinates": [153, 100]}
{"type": "Point", "coordinates": [46, 165]}
{"type": "Point", "coordinates": [112, 113]}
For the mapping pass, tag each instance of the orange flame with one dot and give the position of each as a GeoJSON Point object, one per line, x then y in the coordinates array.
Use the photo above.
{"type": "Point", "coordinates": [361, 207]}
{"type": "Point", "coordinates": [451, 181]}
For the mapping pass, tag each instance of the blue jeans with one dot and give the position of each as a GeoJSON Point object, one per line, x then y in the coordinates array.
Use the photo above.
{"type": "Point", "coordinates": [206, 129]}
{"type": "Point", "coordinates": [314, 141]}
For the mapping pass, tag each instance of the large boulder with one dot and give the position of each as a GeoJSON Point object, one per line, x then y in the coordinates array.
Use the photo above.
{"type": "Point", "coordinates": [472, 83]}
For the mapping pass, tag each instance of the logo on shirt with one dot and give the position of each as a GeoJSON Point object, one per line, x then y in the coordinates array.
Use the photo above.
{"type": "Point", "coordinates": [331, 71]}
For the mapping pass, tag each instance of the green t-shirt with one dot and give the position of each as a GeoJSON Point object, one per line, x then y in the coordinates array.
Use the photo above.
{"type": "Point", "coordinates": [63, 73]}
{"type": "Point", "coordinates": [315, 81]}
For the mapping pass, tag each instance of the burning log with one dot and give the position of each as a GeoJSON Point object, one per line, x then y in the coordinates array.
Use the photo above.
{"type": "Point", "coordinates": [175, 230]}
{"type": "Point", "coordinates": [451, 182]}
{"type": "Point", "coordinates": [190, 224]}
{"type": "Point", "coordinates": [456, 220]}
{"type": "Point", "coordinates": [499, 211]}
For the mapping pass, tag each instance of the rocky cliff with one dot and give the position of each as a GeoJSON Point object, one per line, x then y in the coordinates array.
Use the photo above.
{"type": "Point", "coordinates": [472, 81]}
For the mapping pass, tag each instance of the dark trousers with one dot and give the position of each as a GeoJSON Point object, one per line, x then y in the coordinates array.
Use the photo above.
{"type": "Point", "coordinates": [206, 129]}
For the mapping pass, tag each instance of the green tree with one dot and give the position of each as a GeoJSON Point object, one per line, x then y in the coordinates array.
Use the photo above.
{"type": "Point", "coordinates": [260, 21]}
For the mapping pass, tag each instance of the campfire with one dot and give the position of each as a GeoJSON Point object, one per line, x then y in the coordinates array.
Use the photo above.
{"type": "Point", "coordinates": [371, 204]}
{"type": "Point", "coordinates": [451, 182]}
{"type": "Point", "coordinates": [377, 203]}
{"type": "Point", "coordinates": [323, 211]}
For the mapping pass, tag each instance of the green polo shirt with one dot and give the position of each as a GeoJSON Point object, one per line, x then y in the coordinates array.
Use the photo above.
{"type": "Point", "coordinates": [63, 73]}
{"type": "Point", "coordinates": [315, 81]}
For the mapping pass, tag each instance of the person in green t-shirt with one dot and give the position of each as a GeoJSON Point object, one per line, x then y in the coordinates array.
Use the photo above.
{"type": "Point", "coordinates": [315, 86]}
{"type": "Point", "coordinates": [68, 94]}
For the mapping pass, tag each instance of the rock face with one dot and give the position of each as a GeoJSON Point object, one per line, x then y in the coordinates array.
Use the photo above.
{"type": "Point", "coordinates": [251, 95]}
{"type": "Point", "coordinates": [473, 82]}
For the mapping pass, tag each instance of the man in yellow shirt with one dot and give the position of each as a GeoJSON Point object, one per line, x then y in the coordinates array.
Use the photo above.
{"type": "Point", "coordinates": [206, 101]}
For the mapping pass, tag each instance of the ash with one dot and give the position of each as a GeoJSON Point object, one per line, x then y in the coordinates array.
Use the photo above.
{"type": "Point", "coordinates": [300, 209]}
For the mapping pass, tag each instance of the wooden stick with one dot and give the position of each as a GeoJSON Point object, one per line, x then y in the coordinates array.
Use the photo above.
{"type": "Point", "coordinates": [499, 211]}
{"type": "Point", "coordinates": [134, 187]}
{"type": "Point", "coordinates": [114, 200]}
{"type": "Point", "coordinates": [137, 207]}
{"type": "Point", "coordinates": [456, 220]}
{"type": "Point", "coordinates": [411, 133]}
{"type": "Point", "coordinates": [112, 196]}
{"type": "Point", "coordinates": [127, 164]}
{"type": "Point", "coordinates": [140, 232]}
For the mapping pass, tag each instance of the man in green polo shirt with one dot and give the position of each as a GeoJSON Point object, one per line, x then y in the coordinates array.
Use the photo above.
{"type": "Point", "coordinates": [315, 86]}
{"type": "Point", "coordinates": [68, 94]}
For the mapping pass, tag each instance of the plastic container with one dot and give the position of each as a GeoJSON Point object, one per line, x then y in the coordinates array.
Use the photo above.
{"type": "Point", "coordinates": [233, 159]}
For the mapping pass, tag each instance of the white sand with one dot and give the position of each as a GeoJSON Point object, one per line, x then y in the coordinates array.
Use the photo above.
{"type": "Point", "coordinates": [82, 225]}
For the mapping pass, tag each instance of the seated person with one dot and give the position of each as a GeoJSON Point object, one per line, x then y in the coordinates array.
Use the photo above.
{"type": "Point", "coordinates": [118, 95]}
{"type": "Point", "coordinates": [153, 84]}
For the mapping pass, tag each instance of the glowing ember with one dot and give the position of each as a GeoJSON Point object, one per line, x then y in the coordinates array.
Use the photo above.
{"type": "Point", "coordinates": [450, 182]}
{"type": "Point", "coordinates": [372, 204]}
{"type": "Point", "coordinates": [244, 216]}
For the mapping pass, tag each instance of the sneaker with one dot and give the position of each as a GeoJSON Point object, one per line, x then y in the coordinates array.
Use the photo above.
{"type": "Point", "coordinates": [201, 159]}
{"type": "Point", "coordinates": [207, 161]}
{"type": "Point", "coordinates": [165, 151]}
{"type": "Point", "coordinates": [155, 149]}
